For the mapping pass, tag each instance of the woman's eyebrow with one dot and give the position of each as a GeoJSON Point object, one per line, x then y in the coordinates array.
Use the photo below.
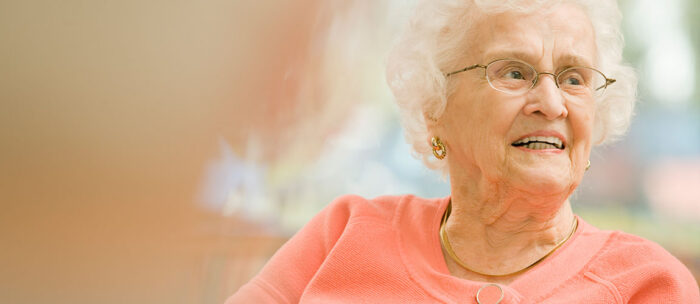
{"type": "Point", "coordinates": [573, 60]}
{"type": "Point", "coordinates": [510, 54]}
{"type": "Point", "coordinates": [563, 60]}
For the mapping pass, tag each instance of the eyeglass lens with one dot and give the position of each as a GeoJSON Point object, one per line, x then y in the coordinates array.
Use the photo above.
{"type": "Point", "coordinates": [515, 77]}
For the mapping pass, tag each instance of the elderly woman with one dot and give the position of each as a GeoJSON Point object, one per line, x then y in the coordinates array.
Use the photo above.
{"type": "Point", "coordinates": [507, 98]}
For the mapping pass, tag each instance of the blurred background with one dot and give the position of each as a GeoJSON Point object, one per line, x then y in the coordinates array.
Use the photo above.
{"type": "Point", "coordinates": [161, 151]}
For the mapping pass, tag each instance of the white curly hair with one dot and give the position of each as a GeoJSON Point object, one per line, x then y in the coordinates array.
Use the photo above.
{"type": "Point", "coordinates": [434, 40]}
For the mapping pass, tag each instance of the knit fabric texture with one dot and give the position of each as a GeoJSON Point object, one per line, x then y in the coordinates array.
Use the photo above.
{"type": "Point", "coordinates": [387, 250]}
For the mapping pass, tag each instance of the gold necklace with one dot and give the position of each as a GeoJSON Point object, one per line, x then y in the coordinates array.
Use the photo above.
{"type": "Point", "coordinates": [446, 243]}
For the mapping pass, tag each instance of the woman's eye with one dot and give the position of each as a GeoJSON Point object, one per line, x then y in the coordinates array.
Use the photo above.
{"type": "Point", "coordinates": [573, 78]}
{"type": "Point", "coordinates": [576, 77]}
{"type": "Point", "coordinates": [515, 74]}
{"type": "Point", "coordinates": [573, 81]}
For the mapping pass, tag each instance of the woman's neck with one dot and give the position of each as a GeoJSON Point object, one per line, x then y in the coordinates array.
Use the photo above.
{"type": "Point", "coordinates": [496, 229]}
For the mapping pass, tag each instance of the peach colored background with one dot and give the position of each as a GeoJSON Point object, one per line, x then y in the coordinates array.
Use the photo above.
{"type": "Point", "coordinates": [110, 111]}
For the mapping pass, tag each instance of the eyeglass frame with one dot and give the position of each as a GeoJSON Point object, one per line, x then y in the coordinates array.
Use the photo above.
{"type": "Point", "coordinates": [608, 81]}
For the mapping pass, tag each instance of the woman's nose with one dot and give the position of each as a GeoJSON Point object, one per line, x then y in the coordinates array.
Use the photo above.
{"type": "Point", "coordinates": [546, 99]}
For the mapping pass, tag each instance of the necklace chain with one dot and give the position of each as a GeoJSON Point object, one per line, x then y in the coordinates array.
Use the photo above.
{"type": "Point", "coordinates": [444, 240]}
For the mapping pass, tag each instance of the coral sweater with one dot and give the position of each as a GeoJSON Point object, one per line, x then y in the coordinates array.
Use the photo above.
{"type": "Point", "coordinates": [387, 250]}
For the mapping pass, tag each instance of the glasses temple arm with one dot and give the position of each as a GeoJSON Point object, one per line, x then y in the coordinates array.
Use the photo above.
{"type": "Point", "coordinates": [608, 81]}
{"type": "Point", "coordinates": [471, 67]}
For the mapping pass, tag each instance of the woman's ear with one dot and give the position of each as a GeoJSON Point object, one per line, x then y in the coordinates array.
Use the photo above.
{"type": "Point", "coordinates": [434, 128]}
{"type": "Point", "coordinates": [431, 123]}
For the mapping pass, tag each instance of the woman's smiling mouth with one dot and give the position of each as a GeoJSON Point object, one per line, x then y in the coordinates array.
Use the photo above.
{"type": "Point", "coordinates": [539, 143]}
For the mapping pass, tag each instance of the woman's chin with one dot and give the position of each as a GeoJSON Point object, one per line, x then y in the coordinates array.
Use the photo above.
{"type": "Point", "coordinates": [542, 182]}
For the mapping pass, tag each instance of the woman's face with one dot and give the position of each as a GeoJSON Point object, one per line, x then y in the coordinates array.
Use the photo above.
{"type": "Point", "coordinates": [480, 125]}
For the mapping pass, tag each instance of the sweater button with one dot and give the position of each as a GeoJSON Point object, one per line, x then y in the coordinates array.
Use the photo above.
{"type": "Point", "coordinates": [489, 294]}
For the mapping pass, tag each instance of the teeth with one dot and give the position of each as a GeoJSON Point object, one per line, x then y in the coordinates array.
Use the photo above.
{"type": "Point", "coordinates": [539, 146]}
{"type": "Point", "coordinates": [540, 142]}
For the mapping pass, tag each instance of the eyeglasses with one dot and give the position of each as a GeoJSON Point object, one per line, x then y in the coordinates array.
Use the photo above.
{"type": "Point", "coordinates": [517, 77]}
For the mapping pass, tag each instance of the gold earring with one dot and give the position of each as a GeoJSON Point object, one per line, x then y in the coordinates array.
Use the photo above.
{"type": "Point", "coordinates": [588, 165]}
{"type": "Point", "coordinates": [438, 148]}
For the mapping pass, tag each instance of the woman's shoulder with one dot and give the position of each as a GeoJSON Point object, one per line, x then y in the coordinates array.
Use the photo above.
{"type": "Point", "coordinates": [623, 248]}
{"type": "Point", "coordinates": [640, 268]}
{"type": "Point", "coordinates": [383, 208]}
